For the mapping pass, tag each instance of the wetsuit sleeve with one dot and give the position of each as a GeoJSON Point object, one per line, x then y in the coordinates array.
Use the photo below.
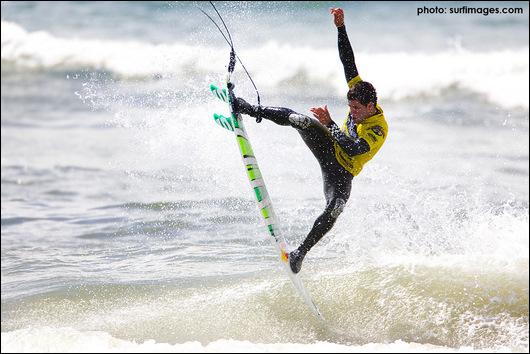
{"type": "Point", "coordinates": [347, 58]}
{"type": "Point", "coordinates": [352, 145]}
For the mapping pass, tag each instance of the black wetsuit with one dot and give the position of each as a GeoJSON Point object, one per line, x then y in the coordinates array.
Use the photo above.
{"type": "Point", "coordinates": [320, 140]}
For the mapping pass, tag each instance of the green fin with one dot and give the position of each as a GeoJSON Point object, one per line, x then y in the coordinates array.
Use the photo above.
{"type": "Point", "coordinates": [225, 122]}
{"type": "Point", "coordinates": [221, 94]}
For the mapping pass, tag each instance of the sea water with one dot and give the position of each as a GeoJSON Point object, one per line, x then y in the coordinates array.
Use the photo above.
{"type": "Point", "coordinates": [128, 223]}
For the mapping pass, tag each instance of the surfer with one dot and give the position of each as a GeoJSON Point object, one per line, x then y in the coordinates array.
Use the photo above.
{"type": "Point", "coordinates": [340, 152]}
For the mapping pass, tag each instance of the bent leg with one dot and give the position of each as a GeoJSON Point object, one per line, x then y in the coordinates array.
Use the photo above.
{"type": "Point", "coordinates": [337, 188]}
{"type": "Point", "coordinates": [323, 223]}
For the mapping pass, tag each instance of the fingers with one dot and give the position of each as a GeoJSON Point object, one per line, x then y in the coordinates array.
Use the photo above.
{"type": "Point", "coordinates": [321, 113]}
{"type": "Point", "coordinates": [338, 16]}
{"type": "Point", "coordinates": [317, 112]}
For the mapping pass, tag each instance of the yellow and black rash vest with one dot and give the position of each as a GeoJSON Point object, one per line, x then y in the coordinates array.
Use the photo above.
{"type": "Point", "coordinates": [373, 131]}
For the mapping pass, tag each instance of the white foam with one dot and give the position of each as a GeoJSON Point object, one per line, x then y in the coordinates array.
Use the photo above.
{"type": "Point", "coordinates": [57, 340]}
{"type": "Point", "coordinates": [428, 233]}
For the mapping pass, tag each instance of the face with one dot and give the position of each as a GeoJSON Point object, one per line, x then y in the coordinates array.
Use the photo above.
{"type": "Point", "coordinates": [360, 112]}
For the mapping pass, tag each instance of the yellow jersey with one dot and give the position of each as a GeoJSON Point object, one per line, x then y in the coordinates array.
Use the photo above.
{"type": "Point", "coordinates": [373, 130]}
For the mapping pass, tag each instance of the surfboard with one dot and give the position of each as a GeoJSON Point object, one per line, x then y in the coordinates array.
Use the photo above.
{"type": "Point", "coordinates": [234, 123]}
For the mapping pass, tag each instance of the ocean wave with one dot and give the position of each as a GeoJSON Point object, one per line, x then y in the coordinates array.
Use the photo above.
{"type": "Point", "coordinates": [500, 76]}
{"type": "Point", "coordinates": [447, 306]}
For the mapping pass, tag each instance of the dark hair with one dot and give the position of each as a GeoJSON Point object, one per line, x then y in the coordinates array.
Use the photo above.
{"type": "Point", "coordinates": [364, 92]}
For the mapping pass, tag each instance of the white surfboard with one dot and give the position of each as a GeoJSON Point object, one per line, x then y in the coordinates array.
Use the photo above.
{"type": "Point", "coordinates": [234, 123]}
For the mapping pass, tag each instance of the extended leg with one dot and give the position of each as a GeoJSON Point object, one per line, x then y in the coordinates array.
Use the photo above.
{"type": "Point", "coordinates": [278, 115]}
{"type": "Point", "coordinates": [314, 134]}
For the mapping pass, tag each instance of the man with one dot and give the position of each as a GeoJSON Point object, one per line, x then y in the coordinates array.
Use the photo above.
{"type": "Point", "coordinates": [341, 152]}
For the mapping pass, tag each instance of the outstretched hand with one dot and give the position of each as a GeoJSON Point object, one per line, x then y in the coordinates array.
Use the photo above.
{"type": "Point", "coordinates": [322, 114]}
{"type": "Point", "coordinates": [338, 16]}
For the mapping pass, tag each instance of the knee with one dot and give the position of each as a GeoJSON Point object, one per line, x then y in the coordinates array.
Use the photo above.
{"type": "Point", "coordinates": [336, 207]}
{"type": "Point", "coordinates": [299, 121]}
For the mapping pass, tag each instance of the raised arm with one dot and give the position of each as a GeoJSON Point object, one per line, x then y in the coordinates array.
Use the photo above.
{"type": "Point", "coordinates": [345, 49]}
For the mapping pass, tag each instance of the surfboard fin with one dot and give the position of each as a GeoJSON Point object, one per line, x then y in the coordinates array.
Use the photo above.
{"type": "Point", "coordinates": [221, 94]}
{"type": "Point", "coordinates": [225, 122]}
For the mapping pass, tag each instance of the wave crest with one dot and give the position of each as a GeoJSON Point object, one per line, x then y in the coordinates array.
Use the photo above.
{"type": "Point", "coordinates": [501, 76]}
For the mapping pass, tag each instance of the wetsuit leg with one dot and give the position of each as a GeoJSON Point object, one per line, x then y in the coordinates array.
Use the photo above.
{"type": "Point", "coordinates": [337, 188]}
{"type": "Point", "coordinates": [337, 181]}
{"type": "Point", "coordinates": [314, 134]}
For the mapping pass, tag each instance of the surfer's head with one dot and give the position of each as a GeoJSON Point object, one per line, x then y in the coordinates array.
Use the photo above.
{"type": "Point", "coordinates": [362, 99]}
